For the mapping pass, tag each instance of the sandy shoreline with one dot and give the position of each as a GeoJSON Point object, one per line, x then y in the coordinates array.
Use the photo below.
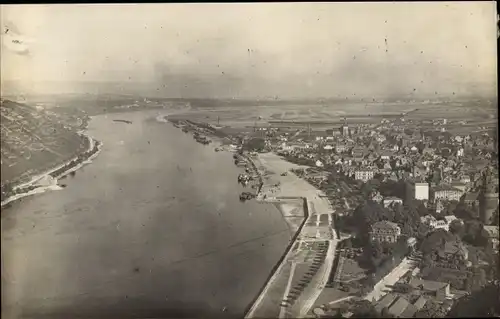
{"type": "Point", "coordinates": [47, 175]}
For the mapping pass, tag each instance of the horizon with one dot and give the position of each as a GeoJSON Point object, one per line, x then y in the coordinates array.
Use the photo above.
{"type": "Point", "coordinates": [134, 89]}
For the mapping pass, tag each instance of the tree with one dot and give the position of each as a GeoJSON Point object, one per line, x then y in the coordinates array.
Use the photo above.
{"type": "Point", "coordinates": [483, 303]}
{"type": "Point", "coordinates": [435, 241]}
{"type": "Point", "coordinates": [457, 227]}
{"type": "Point", "coordinates": [495, 218]}
{"type": "Point", "coordinates": [347, 243]}
{"type": "Point", "coordinates": [255, 144]}
{"type": "Point", "coordinates": [364, 309]}
{"type": "Point", "coordinates": [466, 213]}
{"type": "Point", "coordinates": [422, 231]}
{"type": "Point", "coordinates": [473, 232]}
{"type": "Point", "coordinates": [476, 281]}
{"type": "Point", "coordinates": [421, 209]}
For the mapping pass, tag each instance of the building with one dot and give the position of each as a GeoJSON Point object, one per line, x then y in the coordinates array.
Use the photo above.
{"type": "Point", "coordinates": [422, 191]}
{"type": "Point", "coordinates": [388, 201]}
{"type": "Point", "coordinates": [385, 231]}
{"type": "Point", "coordinates": [428, 151]}
{"type": "Point", "coordinates": [434, 223]}
{"type": "Point", "coordinates": [471, 199]}
{"type": "Point", "coordinates": [364, 175]}
{"type": "Point", "coordinates": [345, 130]}
{"type": "Point", "coordinates": [459, 185]}
{"type": "Point", "coordinates": [318, 176]}
{"type": "Point", "coordinates": [377, 197]}
{"type": "Point", "coordinates": [340, 148]}
{"type": "Point", "coordinates": [386, 155]}
{"type": "Point", "coordinates": [488, 204]}
{"type": "Point", "coordinates": [465, 179]}
{"type": "Point", "coordinates": [358, 152]}
{"type": "Point", "coordinates": [438, 290]}
{"type": "Point", "coordinates": [446, 192]}
{"type": "Point", "coordinates": [438, 206]}
{"type": "Point", "coordinates": [454, 252]}
{"type": "Point", "coordinates": [488, 201]}
{"type": "Point", "coordinates": [491, 232]}
{"type": "Point", "coordinates": [395, 306]}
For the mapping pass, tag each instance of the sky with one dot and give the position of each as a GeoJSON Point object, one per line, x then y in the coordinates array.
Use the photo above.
{"type": "Point", "coordinates": [297, 50]}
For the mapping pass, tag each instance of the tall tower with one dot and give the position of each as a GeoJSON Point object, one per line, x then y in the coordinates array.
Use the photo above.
{"type": "Point", "coordinates": [345, 128]}
{"type": "Point", "coordinates": [488, 202]}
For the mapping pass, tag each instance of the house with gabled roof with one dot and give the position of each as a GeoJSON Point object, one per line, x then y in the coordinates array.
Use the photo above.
{"type": "Point", "coordinates": [438, 290]}
{"type": "Point", "coordinates": [396, 306]}
{"type": "Point", "coordinates": [385, 231]}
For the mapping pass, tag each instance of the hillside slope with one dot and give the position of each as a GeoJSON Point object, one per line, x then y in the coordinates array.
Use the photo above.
{"type": "Point", "coordinates": [34, 140]}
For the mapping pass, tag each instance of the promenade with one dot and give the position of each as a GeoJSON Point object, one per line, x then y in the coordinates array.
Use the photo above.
{"type": "Point", "coordinates": [304, 271]}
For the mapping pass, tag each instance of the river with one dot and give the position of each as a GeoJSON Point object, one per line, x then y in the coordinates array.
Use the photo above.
{"type": "Point", "coordinates": [152, 228]}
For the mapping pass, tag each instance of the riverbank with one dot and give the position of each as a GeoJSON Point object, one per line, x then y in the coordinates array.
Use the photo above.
{"type": "Point", "coordinates": [285, 293]}
{"type": "Point", "coordinates": [292, 288]}
{"type": "Point", "coordinates": [48, 180]}
{"type": "Point", "coordinates": [144, 209]}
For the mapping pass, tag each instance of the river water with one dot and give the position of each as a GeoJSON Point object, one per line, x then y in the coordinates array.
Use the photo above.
{"type": "Point", "coordinates": [152, 228]}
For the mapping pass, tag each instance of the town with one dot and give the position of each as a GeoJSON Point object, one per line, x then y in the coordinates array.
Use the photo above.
{"type": "Point", "coordinates": [415, 209]}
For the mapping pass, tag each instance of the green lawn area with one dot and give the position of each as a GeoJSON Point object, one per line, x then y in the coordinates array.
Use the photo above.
{"type": "Point", "coordinates": [351, 271]}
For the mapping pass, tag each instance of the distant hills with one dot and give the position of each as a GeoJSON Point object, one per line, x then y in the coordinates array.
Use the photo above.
{"type": "Point", "coordinates": [151, 90]}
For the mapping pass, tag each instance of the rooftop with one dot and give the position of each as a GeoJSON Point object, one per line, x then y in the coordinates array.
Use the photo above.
{"type": "Point", "coordinates": [492, 231]}
{"type": "Point", "coordinates": [421, 184]}
{"type": "Point", "coordinates": [454, 247]}
{"type": "Point", "coordinates": [427, 285]}
{"type": "Point", "coordinates": [392, 198]}
{"type": "Point", "coordinates": [471, 196]}
{"type": "Point", "coordinates": [445, 188]}
{"type": "Point", "coordinates": [450, 218]}
{"type": "Point", "coordinates": [399, 307]}
{"type": "Point", "coordinates": [385, 225]}
{"type": "Point", "coordinates": [386, 301]}
{"type": "Point", "coordinates": [420, 303]}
